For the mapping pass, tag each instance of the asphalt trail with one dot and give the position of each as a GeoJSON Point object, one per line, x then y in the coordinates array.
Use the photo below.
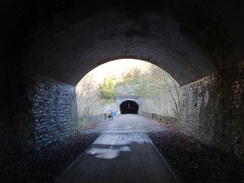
{"type": "Point", "coordinates": [122, 154]}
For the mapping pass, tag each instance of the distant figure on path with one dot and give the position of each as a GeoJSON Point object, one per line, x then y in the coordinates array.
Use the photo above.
{"type": "Point", "coordinates": [108, 114]}
{"type": "Point", "coordinates": [112, 114]}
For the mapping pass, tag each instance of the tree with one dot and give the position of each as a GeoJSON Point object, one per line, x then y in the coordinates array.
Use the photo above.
{"type": "Point", "coordinates": [174, 90]}
{"type": "Point", "coordinates": [159, 87]}
{"type": "Point", "coordinates": [168, 85]}
{"type": "Point", "coordinates": [107, 88]}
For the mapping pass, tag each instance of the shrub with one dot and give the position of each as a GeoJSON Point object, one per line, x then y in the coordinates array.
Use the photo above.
{"type": "Point", "coordinates": [107, 89]}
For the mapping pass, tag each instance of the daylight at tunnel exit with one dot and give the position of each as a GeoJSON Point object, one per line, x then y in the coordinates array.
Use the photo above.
{"type": "Point", "coordinates": [122, 91]}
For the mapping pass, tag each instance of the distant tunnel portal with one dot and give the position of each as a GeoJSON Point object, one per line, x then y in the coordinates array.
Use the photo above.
{"type": "Point", "coordinates": [129, 106]}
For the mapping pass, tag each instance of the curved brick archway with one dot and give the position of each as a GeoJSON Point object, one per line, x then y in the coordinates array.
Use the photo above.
{"type": "Point", "coordinates": [68, 55]}
{"type": "Point", "coordinates": [66, 40]}
{"type": "Point", "coordinates": [48, 46]}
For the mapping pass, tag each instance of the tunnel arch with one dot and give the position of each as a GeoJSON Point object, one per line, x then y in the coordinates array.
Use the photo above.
{"type": "Point", "coordinates": [64, 41]}
{"type": "Point", "coordinates": [129, 107]}
{"type": "Point", "coordinates": [66, 50]}
{"type": "Point", "coordinates": [67, 60]}
{"type": "Point", "coordinates": [124, 73]}
{"type": "Point", "coordinates": [68, 42]}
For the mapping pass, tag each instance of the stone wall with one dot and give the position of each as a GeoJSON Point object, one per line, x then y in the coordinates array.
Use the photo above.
{"type": "Point", "coordinates": [212, 110]}
{"type": "Point", "coordinates": [15, 111]}
{"type": "Point", "coordinates": [165, 119]}
{"type": "Point", "coordinates": [88, 120]}
{"type": "Point", "coordinates": [54, 110]}
{"type": "Point", "coordinates": [147, 114]}
{"type": "Point", "coordinates": [35, 111]}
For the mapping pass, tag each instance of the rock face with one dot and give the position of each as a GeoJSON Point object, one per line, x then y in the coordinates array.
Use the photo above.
{"type": "Point", "coordinates": [212, 110]}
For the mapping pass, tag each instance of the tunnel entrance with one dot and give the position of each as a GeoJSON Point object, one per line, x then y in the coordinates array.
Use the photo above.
{"type": "Point", "coordinates": [129, 107]}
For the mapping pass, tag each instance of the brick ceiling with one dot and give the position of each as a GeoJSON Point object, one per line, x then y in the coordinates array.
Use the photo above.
{"type": "Point", "coordinates": [189, 40]}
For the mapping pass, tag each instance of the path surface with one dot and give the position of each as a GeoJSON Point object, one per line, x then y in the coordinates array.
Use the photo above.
{"type": "Point", "coordinates": [122, 154]}
{"type": "Point", "coordinates": [128, 123]}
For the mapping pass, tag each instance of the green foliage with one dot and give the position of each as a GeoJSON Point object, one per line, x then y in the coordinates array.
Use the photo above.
{"type": "Point", "coordinates": [133, 81]}
{"type": "Point", "coordinates": [134, 73]}
{"type": "Point", "coordinates": [173, 117]}
{"type": "Point", "coordinates": [81, 125]}
{"type": "Point", "coordinates": [107, 89]}
{"type": "Point", "coordinates": [146, 86]}
{"type": "Point", "coordinates": [109, 101]}
{"type": "Point", "coordinates": [195, 142]}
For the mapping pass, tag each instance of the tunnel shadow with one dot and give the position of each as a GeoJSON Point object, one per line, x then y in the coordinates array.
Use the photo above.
{"type": "Point", "coordinates": [129, 107]}
{"type": "Point", "coordinates": [119, 157]}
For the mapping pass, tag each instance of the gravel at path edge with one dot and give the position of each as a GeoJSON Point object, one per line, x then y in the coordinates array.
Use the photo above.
{"type": "Point", "coordinates": [45, 166]}
{"type": "Point", "coordinates": [195, 162]}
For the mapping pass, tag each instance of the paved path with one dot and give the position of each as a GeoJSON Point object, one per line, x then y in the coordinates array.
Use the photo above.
{"type": "Point", "coordinates": [129, 123]}
{"type": "Point", "coordinates": [122, 154]}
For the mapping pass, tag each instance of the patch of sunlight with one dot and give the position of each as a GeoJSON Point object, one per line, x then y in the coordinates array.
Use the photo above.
{"type": "Point", "coordinates": [122, 139]}
{"type": "Point", "coordinates": [115, 143]}
{"type": "Point", "coordinates": [107, 153]}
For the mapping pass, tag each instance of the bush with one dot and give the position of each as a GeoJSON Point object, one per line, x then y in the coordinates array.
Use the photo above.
{"type": "Point", "coordinates": [107, 89]}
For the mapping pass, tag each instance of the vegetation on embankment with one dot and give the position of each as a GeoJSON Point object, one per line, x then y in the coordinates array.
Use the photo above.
{"type": "Point", "coordinates": [96, 91]}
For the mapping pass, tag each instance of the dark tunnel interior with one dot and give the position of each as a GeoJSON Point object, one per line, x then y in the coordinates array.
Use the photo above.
{"type": "Point", "coordinates": [129, 107]}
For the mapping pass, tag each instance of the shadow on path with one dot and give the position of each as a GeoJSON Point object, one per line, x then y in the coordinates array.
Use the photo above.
{"type": "Point", "coordinates": [123, 153]}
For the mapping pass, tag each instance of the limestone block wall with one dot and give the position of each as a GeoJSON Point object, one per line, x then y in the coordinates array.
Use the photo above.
{"type": "Point", "coordinates": [165, 119]}
{"type": "Point", "coordinates": [88, 120]}
{"type": "Point", "coordinates": [212, 110]}
{"type": "Point", "coordinates": [147, 114]}
{"type": "Point", "coordinates": [54, 110]}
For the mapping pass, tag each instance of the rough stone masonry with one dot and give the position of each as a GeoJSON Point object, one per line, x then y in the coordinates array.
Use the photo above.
{"type": "Point", "coordinates": [212, 110]}
{"type": "Point", "coordinates": [54, 111]}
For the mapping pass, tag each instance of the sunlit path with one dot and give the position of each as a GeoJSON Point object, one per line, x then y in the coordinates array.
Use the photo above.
{"type": "Point", "coordinates": [123, 153]}
{"type": "Point", "coordinates": [128, 123]}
